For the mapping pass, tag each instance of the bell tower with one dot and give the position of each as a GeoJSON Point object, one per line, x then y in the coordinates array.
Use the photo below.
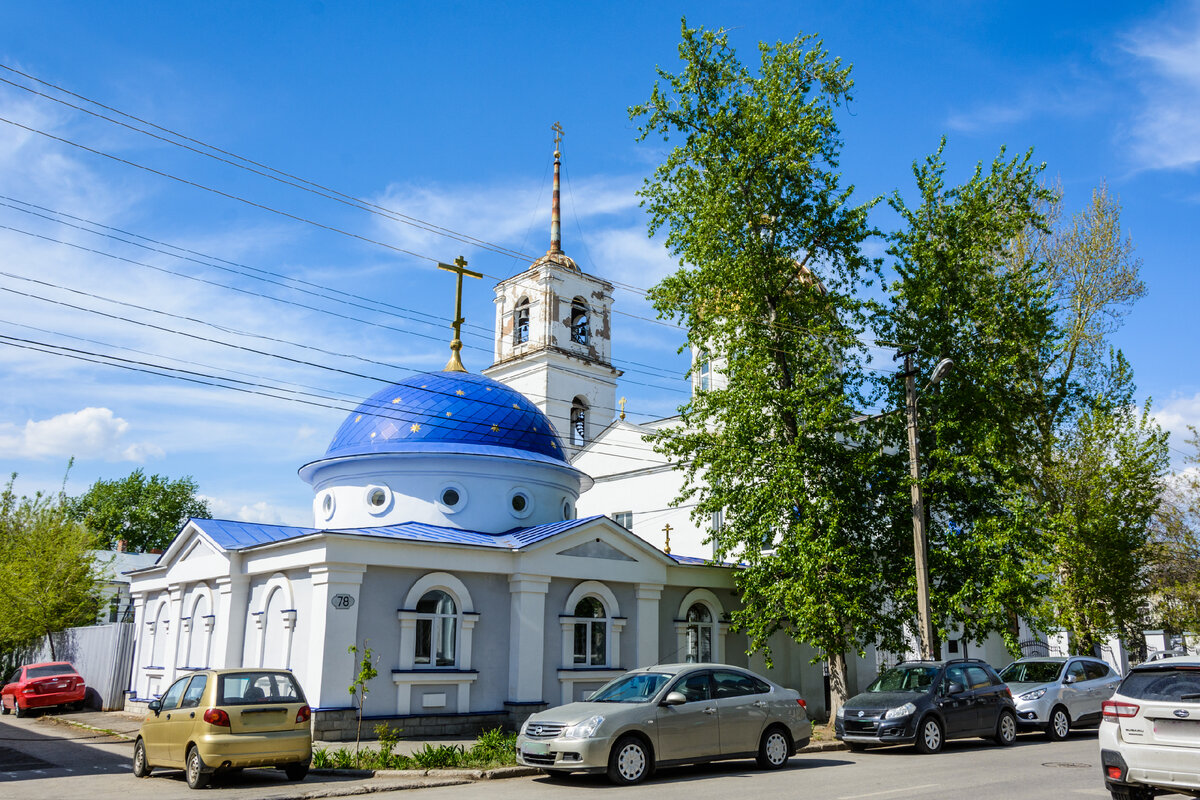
{"type": "Point", "coordinates": [553, 340]}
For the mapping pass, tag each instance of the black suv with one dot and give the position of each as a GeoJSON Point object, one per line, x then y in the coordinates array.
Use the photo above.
{"type": "Point", "coordinates": [927, 702]}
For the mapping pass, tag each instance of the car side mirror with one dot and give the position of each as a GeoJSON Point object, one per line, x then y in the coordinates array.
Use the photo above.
{"type": "Point", "coordinates": [155, 706]}
{"type": "Point", "coordinates": [674, 699]}
{"type": "Point", "coordinates": [955, 688]}
{"type": "Point", "coordinates": [1069, 680]}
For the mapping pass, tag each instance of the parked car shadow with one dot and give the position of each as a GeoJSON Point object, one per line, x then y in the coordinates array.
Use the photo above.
{"type": "Point", "coordinates": [697, 772]}
{"type": "Point", "coordinates": [28, 754]}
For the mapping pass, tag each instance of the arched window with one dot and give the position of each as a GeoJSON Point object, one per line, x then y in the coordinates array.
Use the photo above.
{"type": "Point", "coordinates": [580, 329]}
{"type": "Point", "coordinates": [437, 628]}
{"type": "Point", "coordinates": [699, 634]}
{"type": "Point", "coordinates": [578, 422]}
{"type": "Point", "coordinates": [521, 321]}
{"type": "Point", "coordinates": [591, 633]}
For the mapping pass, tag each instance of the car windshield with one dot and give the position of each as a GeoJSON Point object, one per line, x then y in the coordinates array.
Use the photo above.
{"type": "Point", "coordinates": [1166, 683]}
{"type": "Point", "coordinates": [241, 688]}
{"type": "Point", "coordinates": [637, 688]}
{"type": "Point", "coordinates": [46, 670]}
{"type": "Point", "coordinates": [905, 679]}
{"type": "Point", "coordinates": [1031, 672]}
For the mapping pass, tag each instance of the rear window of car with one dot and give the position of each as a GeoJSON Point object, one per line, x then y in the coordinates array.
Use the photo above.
{"type": "Point", "coordinates": [244, 688]}
{"type": "Point", "coordinates": [1096, 670]}
{"type": "Point", "coordinates": [1162, 683]}
{"type": "Point", "coordinates": [49, 670]}
{"type": "Point", "coordinates": [737, 684]}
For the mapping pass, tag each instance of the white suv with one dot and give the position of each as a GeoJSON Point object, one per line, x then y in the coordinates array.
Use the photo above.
{"type": "Point", "coordinates": [1150, 731]}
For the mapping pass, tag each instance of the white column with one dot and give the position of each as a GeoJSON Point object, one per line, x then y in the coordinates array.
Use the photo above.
{"type": "Point", "coordinates": [136, 682]}
{"type": "Point", "coordinates": [330, 666]}
{"type": "Point", "coordinates": [171, 651]}
{"type": "Point", "coordinates": [527, 616]}
{"type": "Point", "coordinates": [232, 601]}
{"type": "Point", "coordinates": [648, 595]}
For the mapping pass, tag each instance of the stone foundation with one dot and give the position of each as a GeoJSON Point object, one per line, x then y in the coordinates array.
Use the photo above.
{"type": "Point", "coordinates": [341, 725]}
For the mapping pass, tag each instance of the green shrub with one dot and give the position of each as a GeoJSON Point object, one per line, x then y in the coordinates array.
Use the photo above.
{"type": "Point", "coordinates": [493, 748]}
{"type": "Point", "coordinates": [321, 759]}
{"type": "Point", "coordinates": [444, 756]}
{"type": "Point", "coordinates": [343, 758]}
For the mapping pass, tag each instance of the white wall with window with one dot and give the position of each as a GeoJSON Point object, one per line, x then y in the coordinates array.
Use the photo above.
{"type": "Point", "coordinates": [437, 624]}
{"type": "Point", "coordinates": [591, 637]}
{"type": "Point", "coordinates": [701, 628]}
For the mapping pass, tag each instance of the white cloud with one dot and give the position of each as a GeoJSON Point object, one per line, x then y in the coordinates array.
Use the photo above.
{"type": "Point", "coordinates": [1175, 416]}
{"type": "Point", "coordinates": [87, 433]}
{"type": "Point", "coordinates": [260, 512]}
{"type": "Point", "coordinates": [1166, 130]}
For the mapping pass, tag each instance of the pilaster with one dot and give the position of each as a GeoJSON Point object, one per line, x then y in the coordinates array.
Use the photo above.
{"type": "Point", "coordinates": [330, 665]}
{"type": "Point", "coordinates": [527, 616]}
{"type": "Point", "coordinates": [646, 650]}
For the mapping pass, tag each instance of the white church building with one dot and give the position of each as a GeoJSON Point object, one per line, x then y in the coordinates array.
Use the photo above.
{"type": "Point", "coordinates": [447, 538]}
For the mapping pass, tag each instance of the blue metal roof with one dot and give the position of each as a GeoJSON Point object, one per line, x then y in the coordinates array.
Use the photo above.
{"type": "Point", "coordinates": [232, 535]}
{"type": "Point", "coordinates": [448, 412]}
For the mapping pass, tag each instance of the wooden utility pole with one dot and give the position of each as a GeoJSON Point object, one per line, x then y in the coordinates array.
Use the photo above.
{"type": "Point", "coordinates": [920, 540]}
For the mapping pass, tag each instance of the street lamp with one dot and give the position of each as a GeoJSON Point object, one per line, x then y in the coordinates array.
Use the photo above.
{"type": "Point", "coordinates": [920, 541]}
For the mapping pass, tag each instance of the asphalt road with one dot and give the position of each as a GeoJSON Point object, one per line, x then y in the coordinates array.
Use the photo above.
{"type": "Point", "coordinates": [41, 760]}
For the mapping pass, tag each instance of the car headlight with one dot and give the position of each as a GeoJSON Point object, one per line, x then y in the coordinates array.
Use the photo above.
{"type": "Point", "coordinates": [1034, 695]}
{"type": "Point", "coordinates": [900, 711]}
{"type": "Point", "coordinates": [583, 730]}
{"type": "Point", "coordinates": [841, 712]}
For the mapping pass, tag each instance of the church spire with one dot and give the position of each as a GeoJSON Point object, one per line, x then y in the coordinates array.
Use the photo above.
{"type": "Point", "coordinates": [555, 218]}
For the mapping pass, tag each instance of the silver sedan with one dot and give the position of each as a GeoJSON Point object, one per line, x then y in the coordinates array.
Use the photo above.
{"type": "Point", "coordinates": [668, 714]}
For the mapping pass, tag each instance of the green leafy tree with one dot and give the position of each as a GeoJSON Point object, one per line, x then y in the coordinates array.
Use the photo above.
{"type": "Point", "coordinates": [1107, 479]}
{"type": "Point", "coordinates": [771, 268]}
{"type": "Point", "coordinates": [965, 291]}
{"type": "Point", "coordinates": [360, 686]}
{"type": "Point", "coordinates": [145, 513]}
{"type": "Point", "coordinates": [1174, 550]}
{"type": "Point", "coordinates": [50, 577]}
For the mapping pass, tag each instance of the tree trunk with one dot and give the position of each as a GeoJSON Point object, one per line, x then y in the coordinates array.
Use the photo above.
{"type": "Point", "coordinates": [50, 643]}
{"type": "Point", "coordinates": [839, 691]}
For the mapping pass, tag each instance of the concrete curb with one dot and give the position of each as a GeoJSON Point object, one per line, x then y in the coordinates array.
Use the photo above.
{"type": "Point", "coordinates": [86, 727]}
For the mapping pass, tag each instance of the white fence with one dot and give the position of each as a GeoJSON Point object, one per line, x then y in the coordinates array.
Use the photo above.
{"type": "Point", "coordinates": [102, 654]}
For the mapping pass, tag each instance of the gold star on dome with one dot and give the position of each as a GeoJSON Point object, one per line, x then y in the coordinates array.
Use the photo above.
{"type": "Point", "coordinates": [356, 419]}
{"type": "Point", "coordinates": [495, 428]}
{"type": "Point", "coordinates": [552, 444]}
{"type": "Point", "coordinates": [447, 413]}
{"type": "Point", "coordinates": [460, 393]}
{"type": "Point", "coordinates": [487, 388]}
{"type": "Point", "coordinates": [372, 434]}
{"type": "Point", "coordinates": [397, 400]}
{"type": "Point", "coordinates": [517, 407]}
{"type": "Point", "coordinates": [414, 427]}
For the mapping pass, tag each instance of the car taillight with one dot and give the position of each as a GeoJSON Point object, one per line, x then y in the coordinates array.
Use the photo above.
{"type": "Point", "coordinates": [801, 703]}
{"type": "Point", "coordinates": [217, 716]}
{"type": "Point", "coordinates": [303, 714]}
{"type": "Point", "coordinates": [1113, 710]}
{"type": "Point", "coordinates": [1008, 692]}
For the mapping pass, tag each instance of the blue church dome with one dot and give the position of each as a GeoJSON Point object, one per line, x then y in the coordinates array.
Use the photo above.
{"type": "Point", "coordinates": [448, 412]}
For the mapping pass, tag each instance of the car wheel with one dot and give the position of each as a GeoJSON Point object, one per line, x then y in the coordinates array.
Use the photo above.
{"type": "Point", "coordinates": [630, 761]}
{"type": "Point", "coordinates": [295, 772]}
{"type": "Point", "coordinates": [929, 736]}
{"type": "Point", "coordinates": [774, 749]}
{"type": "Point", "coordinates": [1060, 724]}
{"type": "Point", "coordinates": [197, 778]}
{"type": "Point", "coordinates": [1006, 729]}
{"type": "Point", "coordinates": [141, 769]}
{"type": "Point", "coordinates": [1131, 793]}
{"type": "Point", "coordinates": [20, 712]}
{"type": "Point", "coordinates": [3, 708]}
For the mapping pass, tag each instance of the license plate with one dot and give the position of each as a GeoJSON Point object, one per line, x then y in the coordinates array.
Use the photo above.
{"type": "Point", "coordinates": [536, 748]}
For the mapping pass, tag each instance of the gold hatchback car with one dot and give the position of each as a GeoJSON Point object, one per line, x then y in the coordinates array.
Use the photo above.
{"type": "Point", "coordinates": [226, 719]}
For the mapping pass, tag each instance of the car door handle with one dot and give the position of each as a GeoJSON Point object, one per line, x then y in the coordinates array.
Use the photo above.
{"type": "Point", "coordinates": [760, 704]}
{"type": "Point", "coordinates": [192, 715]}
{"type": "Point", "coordinates": [710, 711]}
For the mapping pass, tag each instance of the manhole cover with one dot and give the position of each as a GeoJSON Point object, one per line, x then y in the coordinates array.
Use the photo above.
{"type": "Point", "coordinates": [1067, 764]}
{"type": "Point", "coordinates": [14, 761]}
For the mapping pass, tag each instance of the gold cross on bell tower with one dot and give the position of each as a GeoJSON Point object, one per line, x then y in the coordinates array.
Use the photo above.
{"type": "Point", "coordinates": [459, 267]}
{"type": "Point", "coordinates": [667, 546]}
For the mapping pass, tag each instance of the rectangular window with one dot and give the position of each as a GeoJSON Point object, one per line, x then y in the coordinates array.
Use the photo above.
{"type": "Point", "coordinates": [623, 518]}
{"type": "Point", "coordinates": [445, 643]}
{"type": "Point", "coordinates": [598, 654]}
{"type": "Point", "coordinates": [580, 643]}
{"type": "Point", "coordinates": [424, 641]}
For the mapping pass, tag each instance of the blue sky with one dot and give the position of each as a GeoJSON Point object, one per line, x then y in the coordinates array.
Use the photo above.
{"type": "Point", "coordinates": [442, 112]}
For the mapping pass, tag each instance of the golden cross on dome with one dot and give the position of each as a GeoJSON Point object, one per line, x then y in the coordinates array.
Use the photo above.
{"type": "Point", "coordinates": [622, 408]}
{"type": "Point", "coordinates": [667, 530]}
{"type": "Point", "coordinates": [459, 268]}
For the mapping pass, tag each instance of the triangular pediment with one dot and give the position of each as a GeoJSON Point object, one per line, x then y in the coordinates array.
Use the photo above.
{"type": "Point", "coordinates": [596, 549]}
{"type": "Point", "coordinates": [197, 550]}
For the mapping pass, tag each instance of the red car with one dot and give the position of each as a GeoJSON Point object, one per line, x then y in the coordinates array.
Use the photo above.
{"type": "Point", "coordinates": [42, 685]}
